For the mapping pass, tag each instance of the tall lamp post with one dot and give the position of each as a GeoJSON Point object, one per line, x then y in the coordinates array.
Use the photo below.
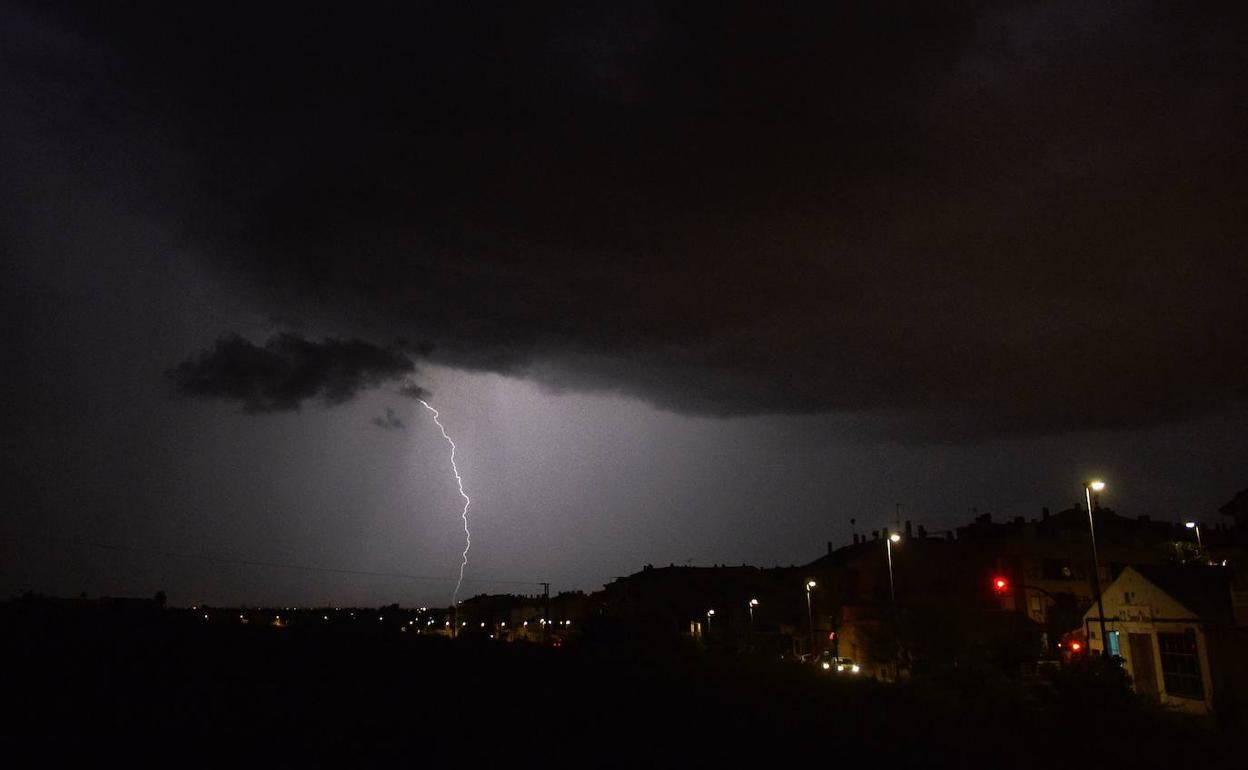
{"type": "Point", "coordinates": [892, 593]}
{"type": "Point", "coordinates": [709, 614]}
{"type": "Point", "coordinates": [888, 547]}
{"type": "Point", "coordinates": [752, 604]}
{"type": "Point", "coordinates": [1196, 526]}
{"type": "Point", "coordinates": [810, 618]}
{"type": "Point", "coordinates": [1088, 488]}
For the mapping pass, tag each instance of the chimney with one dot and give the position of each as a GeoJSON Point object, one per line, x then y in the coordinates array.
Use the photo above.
{"type": "Point", "coordinates": [875, 534]}
{"type": "Point", "coordinates": [922, 531]}
{"type": "Point", "coordinates": [909, 533]}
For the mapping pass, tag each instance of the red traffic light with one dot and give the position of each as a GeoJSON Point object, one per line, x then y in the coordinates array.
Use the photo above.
{"type": "Point", "coordinates": [1076, 646]}
{"type": "Point", "coordinates": [1000, 584]}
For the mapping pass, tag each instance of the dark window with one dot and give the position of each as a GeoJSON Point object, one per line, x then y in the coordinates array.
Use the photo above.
{"type": "Point", "coordinates": [1180, 664]}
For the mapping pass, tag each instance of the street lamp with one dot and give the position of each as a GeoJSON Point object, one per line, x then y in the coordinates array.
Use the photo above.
{"type": "Point", "coordinates": [888, 547]}
{"type": "Point", "coordinates": [1088, 488]}
{"type": "Point", "coordinates": [751, 605]}
{"type": "Point", "coordinates": [892, 593]}
{"type": "Point", "coordinates": [1196, 526]}
{"type": "Point", "coordinates": [709, 614]}
{"type": "Point", "coordinates": [810, 618]}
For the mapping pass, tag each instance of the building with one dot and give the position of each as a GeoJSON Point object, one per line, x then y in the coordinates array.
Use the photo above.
{"type": "Point", "coordinates": [1182, 633]}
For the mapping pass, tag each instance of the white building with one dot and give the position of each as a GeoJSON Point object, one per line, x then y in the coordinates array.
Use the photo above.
{"type": "Point", "coordinates": [1176, 629]}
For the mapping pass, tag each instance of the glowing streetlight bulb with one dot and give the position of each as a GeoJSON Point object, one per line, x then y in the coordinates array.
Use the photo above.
{"type": "Point", "coordinates": [1097, 485]}
{"type": "Point", "coordinates": [896, 538]}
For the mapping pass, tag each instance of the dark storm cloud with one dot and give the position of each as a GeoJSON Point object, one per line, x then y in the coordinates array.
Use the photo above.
{"type": "Point", "coordinates": [388, 421]}
{"type": "Point", "coordinates": [985, 218]}
{"type": "Point", "coordinates": [287, 371]}
{"type": "Point", "coordinates": [412, 390]}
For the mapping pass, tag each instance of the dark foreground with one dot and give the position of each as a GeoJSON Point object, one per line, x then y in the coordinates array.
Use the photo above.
{"type": "Point", "coordinates": [175, 693]}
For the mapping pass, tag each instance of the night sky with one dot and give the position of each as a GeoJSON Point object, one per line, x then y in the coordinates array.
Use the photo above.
{"type": "Point", "coordinates": [688, 283]}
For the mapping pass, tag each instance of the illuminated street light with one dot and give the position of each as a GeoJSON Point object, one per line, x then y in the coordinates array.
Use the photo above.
{"type": "Point", "coordinates": [1096, 485]}
{"type": "Point", "coordinates": [709, 614]}
{"type": "Point", "coordinates": [1196, 526]}
{"type": "Point", "coordinates": [888, 547]}
{"type": "Point", "coordinates": [810, 618]}
{"type": "Point", "coordinates": [892, 592]}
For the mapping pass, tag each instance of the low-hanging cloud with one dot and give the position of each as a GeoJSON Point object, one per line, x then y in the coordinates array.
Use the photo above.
{"type": "Point", "coordinates": [288, 370]}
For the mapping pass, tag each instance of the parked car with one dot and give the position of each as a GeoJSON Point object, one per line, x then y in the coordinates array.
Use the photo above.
{"type": "Point", "coordinates": [838, 665]}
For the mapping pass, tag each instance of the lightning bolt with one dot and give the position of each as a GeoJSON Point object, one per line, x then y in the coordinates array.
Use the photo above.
{"type": "Point", "coordinates": [467, 501]}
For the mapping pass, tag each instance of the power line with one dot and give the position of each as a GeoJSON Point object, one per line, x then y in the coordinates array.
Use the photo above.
{"type": "Point", "coordinates": [281, 565]}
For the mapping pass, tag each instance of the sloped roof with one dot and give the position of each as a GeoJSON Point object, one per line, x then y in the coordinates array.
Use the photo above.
{"type": "Point", "coordinates": [1206, 591]}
